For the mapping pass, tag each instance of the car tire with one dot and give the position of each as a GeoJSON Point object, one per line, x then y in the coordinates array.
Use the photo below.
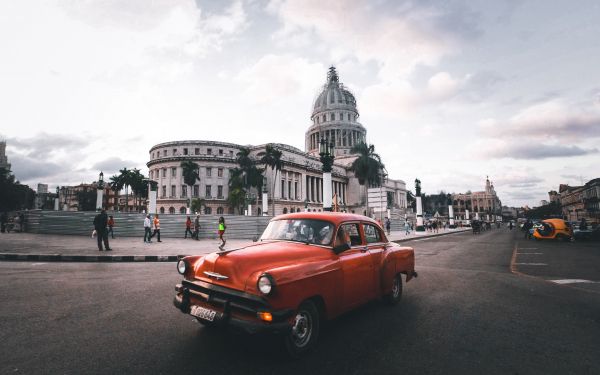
{"type": "Point", "coordinates": [305, 330]}
{"type": "Point", "coordinates": [395, 296]}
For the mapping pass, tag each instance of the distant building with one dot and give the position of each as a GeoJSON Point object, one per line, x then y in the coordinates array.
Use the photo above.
{"type": "Point", "coordinates": [3, 159]}
{"type": "Point", "coordinates": [486, 203]}
{"type": "Point", "coordinates": [544, 202]}
{"type": "Point", "coordinates": [579, 202]}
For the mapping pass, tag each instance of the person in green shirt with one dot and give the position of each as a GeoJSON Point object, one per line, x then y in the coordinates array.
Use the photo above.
{"type": "Point", "coordinates": [222, 228]}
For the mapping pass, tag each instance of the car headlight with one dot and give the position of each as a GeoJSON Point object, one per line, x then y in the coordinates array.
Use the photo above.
{"type": "Point", "coordinates": [182, 266]}
{"type": "Point", "coordinates": [265, 284]}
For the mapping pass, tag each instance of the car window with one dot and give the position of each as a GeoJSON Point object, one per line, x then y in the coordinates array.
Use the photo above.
{"type": "Point", "coordinates": [372, 234]}
{"type": "Point", "coordinates": [351, 234]}
{"type": "Point", "coordinates": [301, 230]}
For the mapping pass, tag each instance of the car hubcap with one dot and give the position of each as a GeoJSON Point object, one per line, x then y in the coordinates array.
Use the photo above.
{"type": "Point", "coordinates": [302, 329]}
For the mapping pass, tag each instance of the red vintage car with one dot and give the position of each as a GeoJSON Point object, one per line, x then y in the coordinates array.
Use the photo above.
{"type": "Point", "coordinates": [306, 267]}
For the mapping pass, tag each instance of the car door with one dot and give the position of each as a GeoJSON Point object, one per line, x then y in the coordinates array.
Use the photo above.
{"type": "Point", "coordinates": [375, 241]}
{"type": "Point", "coordinates": [357, 268]}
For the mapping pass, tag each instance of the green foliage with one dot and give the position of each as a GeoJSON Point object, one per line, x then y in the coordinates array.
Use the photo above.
{"type": "Point", "coordinates": [130, 178]}
{"type": "Point", "coordinates": [553, 209]}
{"type": "Point", "coordinates": [13, 195]}
{"type": "Point", "coordinates": [86, 200]}
{"type": "Point", "coordinates": [367, 168]}
{"type": "Point", "coordinates": [197, 204]}
{"type": "Point", "coordinates": [190, 172]}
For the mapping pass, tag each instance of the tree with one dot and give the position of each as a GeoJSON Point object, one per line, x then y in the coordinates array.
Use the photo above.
{"type": "Point", "coordinates": [196, 204]}
{"type": "Point", "coordinates": [243, 178]}
{"type": "Point", "coordinates": [190, 176]}
{"type": "Point", "coordinates": [86, 199]}
{"type": "Point", "coordinates": [116, 185]}
{"type": "Point", "coordinates": [272, 159]}
{"type": "Point", "coordinates": [138, 186]}
{"type": "Point", "coordinates": [14, 195]}
{"type": "Point", "coordinates": [367, 167]}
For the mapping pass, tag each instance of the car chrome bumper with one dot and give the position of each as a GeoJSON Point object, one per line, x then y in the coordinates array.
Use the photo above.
{"type": "Point", "coordinates": [185, 298]}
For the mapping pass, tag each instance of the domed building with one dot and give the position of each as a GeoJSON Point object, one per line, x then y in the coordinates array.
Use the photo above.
{"type": "Point", "coordinates": [298, 185]}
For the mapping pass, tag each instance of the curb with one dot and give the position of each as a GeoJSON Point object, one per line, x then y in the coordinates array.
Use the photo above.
{"type": "Point", "coordinates": [429, 236]}
{"type": "Point", "coordinates": [88, 258]}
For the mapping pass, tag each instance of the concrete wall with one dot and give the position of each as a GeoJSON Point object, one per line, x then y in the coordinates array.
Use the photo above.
{"type": "Point", "coordinates": [132, 224]}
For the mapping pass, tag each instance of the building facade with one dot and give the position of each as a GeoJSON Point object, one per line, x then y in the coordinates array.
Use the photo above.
{"type": "Point", "coordinates": [578, 202]}
{"type": "Point", "coordinates": [298, 186]}
{"type": "Point", "coordinates": [3, 158]}
{"type": "Point", "coordinates": [485, 203]}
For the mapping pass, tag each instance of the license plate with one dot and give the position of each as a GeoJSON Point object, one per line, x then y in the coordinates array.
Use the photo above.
{"type": "Point", "coordinates": [203, 313]}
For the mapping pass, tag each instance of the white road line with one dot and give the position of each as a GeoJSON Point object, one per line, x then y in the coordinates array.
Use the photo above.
{"type": "Point", "coordinates": [530, 253]}
{"type": "Point", "coordinates": [528, 248]}
{"type": "Point", "coordinates": [531, 264]}
{"type": "Point", "coordinates": [574, 281]}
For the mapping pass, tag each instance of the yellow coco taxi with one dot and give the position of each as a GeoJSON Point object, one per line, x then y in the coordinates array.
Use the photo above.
{"type": "Point", "coordinates": [553, 229]}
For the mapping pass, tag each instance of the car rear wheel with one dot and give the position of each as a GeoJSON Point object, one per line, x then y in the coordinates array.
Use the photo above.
{"type": "Point", "coordinates": [396, 295]}
{"type": "Point", "coordinates": [305, 330]}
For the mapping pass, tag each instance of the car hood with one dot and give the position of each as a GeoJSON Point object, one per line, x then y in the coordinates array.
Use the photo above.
{"type": "Point", "coordinates": [242, 267]}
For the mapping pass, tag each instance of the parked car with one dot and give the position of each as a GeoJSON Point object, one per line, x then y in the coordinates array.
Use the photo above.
{"type": "Point", "coordinates": [306, 268]}
{"type": "Point", "coordinates": [554, 229]}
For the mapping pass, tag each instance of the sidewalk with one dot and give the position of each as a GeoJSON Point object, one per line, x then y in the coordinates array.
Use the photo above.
{"type": "Point", "coordinates": [63, 248]}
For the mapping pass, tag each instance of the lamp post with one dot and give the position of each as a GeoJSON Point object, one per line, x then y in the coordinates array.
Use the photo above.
{"type": "Point", "coordinates": [56, 200]}
{"type": "Point", "coordinates": [100, 191]}
{"type": "Point", "coordinates": [450, 213]}
{"type": "Point", "coordinates": [326, 152]}
{"type": "Point", "coordinates": [265, 197]}
{"type": "Point", "coordinates": [419, 227]}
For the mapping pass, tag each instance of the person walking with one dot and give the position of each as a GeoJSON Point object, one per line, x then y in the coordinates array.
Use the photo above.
{"type": "Point", "coordinates": [147, 229]}
{"type": "Point", "coordinates": [388, 225]}
{"type": "Point", "coordinates": [3, 221]}
{"type": "Point", "coordinates": [406, 228]}
{"type": "Point", "coordinates": [434, 226]}
{"type": "Point", "coordinates": [188, 228]}
{"type": "Point", "coordinates": [526, 227]}
{"type": "Point", "coordinates": [100, 223]}
{"type": "Point", "coordinates": [156, 223]}
{"type": "Point", "coordinates": [111, 224]}
{"type": "Point", "coordinates": [222, 228]}
{"type": "Point", "coordinates": [196, 234]}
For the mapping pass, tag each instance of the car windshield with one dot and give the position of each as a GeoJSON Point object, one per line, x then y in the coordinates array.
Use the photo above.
{"type": "Point", "coordinates": [301, 230]}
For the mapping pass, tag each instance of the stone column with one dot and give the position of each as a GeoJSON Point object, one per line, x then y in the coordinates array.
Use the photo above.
{"type": "Point", "coordinates": [467, 214]}
{"type": "Point", "coordinates": [99, 197]}
{"type": "Point", "coordinates": [451, 216]}
{"type": "Point", "coordinates": [420, 227]}
{"type": "Point", "coordinates": [327, 191]}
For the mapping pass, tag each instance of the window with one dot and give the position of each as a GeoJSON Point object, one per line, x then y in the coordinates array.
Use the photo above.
{"type": "Point", "coordinates": [150, 174]}
{"type": "Point", "coordinates": [173, 191]}
{"type": "Point", "coordinates": [324, 118]}
{"type": "Point", "coordinates": [296, 191]}
{"type": "Point", "coordinates": [182, 210]}
{"type": "Point", "coordinates": [164, 192]}
{"type": "Point", "coordinates": [220, 152]}
{"type": "Point", "coordinates": [162, 210]}
{"type": "Point", "coordinates": [208, 191]}
{"type": "Point", "coordinates": [174, 151]}
{"type": "Point", "coordinates": [290, 189]}
{"type": "Point", "coordinates": [220, 191]}
{"type": "Point", "coordinates": [171, 210]}
{"type": "Point", "coordinates": [174, 172]}
{"type": "Point", "coordinates": [220, 211]}
{"type": "Point", "coordinates": [207, 210]}
{"type": "Point", "coordinates": [208, 172]}
{"type": "Point", "coordinates": [333, 117]}
{"type": "Point", "coordinates": [152, 157]}
{"type": "Point", "coordinates": [209, 151]}
{"type": "Point", "coordinates": [196, 151]}
{"type": "Point", "coordinates": [220, 172]}
{"type": "Point", "coordinates": [285, 210]}
{"type": "Point", "coordinates": [353, 234]}
{"type": "Point", "coordinates": [283, 189]}
{"type": "Point", "coordinates": [164, 172]}
{"type": "Point", "coordinates": [185, 151]}
{"type": "Point", "coordinates": [348, 117]}
{"type": "Point", "coordinates": [165, 152]}
{"type": "Point", "coordinates": [230, 153]}
{"type": "Point", "coordinates": [183, 191]}
{"type": "Point", "coordinates": [372, 234]}
{"type": "Point", "coordinates": [196, 191]}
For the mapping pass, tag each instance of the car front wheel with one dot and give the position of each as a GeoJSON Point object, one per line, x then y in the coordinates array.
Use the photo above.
{"type": "Point", "coordinates": [305, 330]}
{"type": "Point", "coordinates": [396, 295]}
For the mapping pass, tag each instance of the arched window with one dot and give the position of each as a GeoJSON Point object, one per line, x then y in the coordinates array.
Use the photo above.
{"type": "Point", "coordinates": [162, 210]}
{"type": "Point", "coordinates": [285, 210]}
{"type": "Point", "coordinates": [171, 210]}
{"type": "Point", "coordinates": [182, 210]}
{"type": "Point", "coordinates": [207, 210]}
{"type": "Point", "coordinates": [220, 211]}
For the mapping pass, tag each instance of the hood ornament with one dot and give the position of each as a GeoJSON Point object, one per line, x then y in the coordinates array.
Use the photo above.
{"type": "Point", "coordinates": [216, 275]}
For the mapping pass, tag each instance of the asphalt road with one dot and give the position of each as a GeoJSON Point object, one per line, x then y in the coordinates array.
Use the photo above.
{"type": "Point", "coordinates": [467, 313]}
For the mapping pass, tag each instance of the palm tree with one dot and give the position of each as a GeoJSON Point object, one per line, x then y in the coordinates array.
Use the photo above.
{"type": "Point", "coordinates": [190, 176]}
{"type": "Point", "coordinates": [272, 158]}
{"type": "Point", "coordinates": [116, 185]}
{"type": "Point", "coordinates": [367, 168]}
{"type": "Point", "coordinates": [138, 186]}
{"type": "Point", "coordinates": [125, 178]}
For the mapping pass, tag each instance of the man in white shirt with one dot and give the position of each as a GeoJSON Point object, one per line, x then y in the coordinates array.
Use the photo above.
{"type": "Point", "coordinates": [147, 228]}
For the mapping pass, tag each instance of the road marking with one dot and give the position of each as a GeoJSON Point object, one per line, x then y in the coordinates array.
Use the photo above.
{"type": "Point", "coordinates": [531, 264]}
{"type": "Point", "coordinates": [530, 253]}
{"type": "Point", "coordinates": [423, 239]}
{"type": "Point", "coordinates": [574, 281]}
{"type": "Point", "coordinates": [528, 248]}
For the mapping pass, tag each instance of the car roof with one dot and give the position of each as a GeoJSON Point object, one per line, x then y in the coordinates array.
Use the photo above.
{"type": "Point", "coordinates": [333, 217]}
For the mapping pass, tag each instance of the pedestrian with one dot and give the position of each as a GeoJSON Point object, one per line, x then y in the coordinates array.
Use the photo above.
{"type": "Point", "coordinates": [3, 221]}
{"type": "Point", "coordinates": [100, 223]}
{"type": "Point", "coordinates": [406, 227]}
{"type": "Point", "coordinates": [583, 224]}
{"type": "Point", "coordinates": [111, 224]}
{"type": "Point", "coordinates": [388, 225]}
{"type": "Point", "coordinates": [156, 223]}
{"type": "Point", "coordinates": [197, 227]}
{"type": "Point", "coordinates": [510, 225]}
{"type": "Point", "coordinates": [188, 228]}
{"type": "Point", "coordinates": [222, 228]}
{"type": "Point", "coordinates": [526, 227]}
{"type": "Point", "coordinates": [147, 229]}
{"type": "Point", "coordinates": [434, 226]}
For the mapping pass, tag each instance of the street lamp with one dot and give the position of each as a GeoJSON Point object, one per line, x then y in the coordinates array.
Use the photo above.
{"type": "Point", "coordinates": [326, 152]}
{"type": "Point", "coordinates": [100, 191]}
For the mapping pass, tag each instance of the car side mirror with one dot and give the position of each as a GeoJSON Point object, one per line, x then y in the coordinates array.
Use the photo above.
{"type": "Point", "coordinates": [341, 248]}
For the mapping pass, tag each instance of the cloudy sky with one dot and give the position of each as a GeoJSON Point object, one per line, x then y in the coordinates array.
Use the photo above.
{"type": "Point", "coordinates": [449, 91]}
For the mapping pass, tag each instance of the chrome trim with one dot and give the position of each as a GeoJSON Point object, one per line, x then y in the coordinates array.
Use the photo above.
{"type": "Point", "coordinates": [217, 276]}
